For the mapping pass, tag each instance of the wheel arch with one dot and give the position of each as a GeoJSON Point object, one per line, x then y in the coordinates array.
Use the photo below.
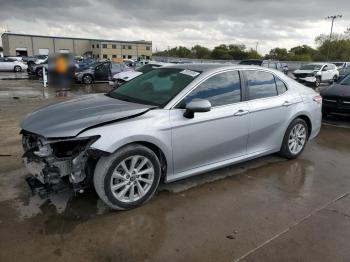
{"type": "Point", "coordinates": [89, 74]}
{"type": "Point", "coordinates": [14, 68]}
{"type": "Point", "coordinates": [307, 120]}
{"type": "Point", "coordinates": [155, 148]}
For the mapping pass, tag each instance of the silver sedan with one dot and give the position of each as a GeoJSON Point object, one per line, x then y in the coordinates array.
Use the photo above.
{"type": "Point", "coordinates": [170, 123]}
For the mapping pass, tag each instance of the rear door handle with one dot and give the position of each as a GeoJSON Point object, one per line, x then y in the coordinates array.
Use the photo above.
{"type": "Point", "coordinates": [287, 103]}
{"type": "Point", "coordinates": [241, 112]}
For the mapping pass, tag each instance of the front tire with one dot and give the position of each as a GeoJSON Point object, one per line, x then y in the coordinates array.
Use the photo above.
{"type": "Point", "coordinates": [87, 79]}
{"type": "Point", "coordinates": [317, 81]}
{"type": "Point", "coordinates": [39, 72]}
{"type": "Point", "coordinates": [127, 178]}
{"type": "Point", "coordinates": [295, 139]}
{"type": "Point", "coordinates": [118, 83]}
{"type": "Point", "coordinates": [335, 79]}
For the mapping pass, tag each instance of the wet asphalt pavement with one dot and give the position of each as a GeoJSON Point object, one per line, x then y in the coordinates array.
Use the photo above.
{"type": "Point", "coordinates": [268, 209]}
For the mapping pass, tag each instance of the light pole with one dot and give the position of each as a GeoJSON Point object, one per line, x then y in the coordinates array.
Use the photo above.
{"type": "Point", "coordinates": [332, 17]}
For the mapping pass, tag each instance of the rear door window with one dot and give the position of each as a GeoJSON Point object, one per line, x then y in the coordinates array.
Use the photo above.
{"type": "Point", "coordinates": [260, 84]}
{"type": "Point", "coordinates": [281, 87]}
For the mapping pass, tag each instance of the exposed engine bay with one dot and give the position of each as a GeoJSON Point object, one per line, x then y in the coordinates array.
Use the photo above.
{"type": "Point", "coordinates": [54, 162]}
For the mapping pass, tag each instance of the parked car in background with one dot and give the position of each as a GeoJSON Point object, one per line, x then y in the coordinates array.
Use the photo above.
{"type": "Point", "coordinates": [37, 67]}
{"type": "Point", "coordinates": [336, 98]}
{"type": "Point", "coordinates": [10, 64]}
{"type": "Point", "coordinates": [32, 59]}
{"type": "Point", "coordinates": [17, 58]}
{"type": "Point", "coordinates": [125, 76]}
{"type": "Point", "coordinates": [83, 63]}
{"type": "Point", "coordinates": [317, 73]}
{"type": "Point", "coordinates": [266, 63]}
{"type": "Point", "coordinates": [343, 72]}
{"type": "Point", "coordinates": [341, 65]}
{"type": "Point", "coordinates": [41, 60]}
{"type": "Point", "coordinates": [99, 72]}
{"type": "Point", "coordinates": [285, 68]}
{"type": "Point", "coordinates": [171, 123]}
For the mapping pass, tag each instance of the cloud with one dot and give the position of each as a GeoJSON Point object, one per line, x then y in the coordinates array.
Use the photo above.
{"type": "Point", "coordinates": [183, 22]}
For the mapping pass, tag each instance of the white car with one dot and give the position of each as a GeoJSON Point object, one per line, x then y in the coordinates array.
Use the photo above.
{"type": "Point", "coordinates": [316, 73]}
{"type": "Point", "coordinates": [18, 58]}
{"type": "Point", "coordinates": [122, 77]}
{"type": "Point", "coordinates": [10, 64]}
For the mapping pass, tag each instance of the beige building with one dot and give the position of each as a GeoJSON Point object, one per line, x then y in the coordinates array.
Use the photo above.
{"type": "Point", "coordinates": [29, 45]}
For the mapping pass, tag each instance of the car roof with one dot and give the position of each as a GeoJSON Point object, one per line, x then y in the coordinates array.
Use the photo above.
{"type": "Point", "coordinates": [206, 67]}
{"type": "Point", "coordinates": [259, 60]}
{"type": "Point", "coordinates": [203, 67]}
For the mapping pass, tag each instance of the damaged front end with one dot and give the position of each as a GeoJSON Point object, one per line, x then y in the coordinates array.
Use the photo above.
{"type": "Point", "coordinates": [59, 163]}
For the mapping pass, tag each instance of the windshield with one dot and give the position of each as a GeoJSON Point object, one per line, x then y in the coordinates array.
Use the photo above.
{"type": "Point", "coordinates": [338, 64]}
{"type": "Point", "coordinates": [156, 87]}
{"type": "Point", "coordinates": [311, 67]}
{"type": "Point", "coordinates": [344, 71]}
{"type": "Point", "coordinates": [146, 68]}
{"type": "Point", "coordinates": [346, 81]}
{"type": "Point", "coordinates": [93, 65]}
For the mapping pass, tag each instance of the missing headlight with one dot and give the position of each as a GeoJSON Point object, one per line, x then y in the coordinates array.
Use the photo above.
{"type": "Point", "coordinates": [71, 148]}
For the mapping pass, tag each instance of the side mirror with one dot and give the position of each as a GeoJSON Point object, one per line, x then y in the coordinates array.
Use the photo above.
{"type": "Point", "coordinates": [197, 106]}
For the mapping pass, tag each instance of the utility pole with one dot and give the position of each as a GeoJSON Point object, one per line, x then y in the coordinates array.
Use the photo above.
{"type": "Point", "coordinates": [256, 49]}
{"type": "Point", "coordinates": [332, 17]}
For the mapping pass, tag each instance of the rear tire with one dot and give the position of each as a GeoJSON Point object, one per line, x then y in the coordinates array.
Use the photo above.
{"type": "Point", "coordinates": [117, 181]}
{"type": "Point", "coordinates": [17, 69]}
{"type": "Point", "coordinates": [295, 139]}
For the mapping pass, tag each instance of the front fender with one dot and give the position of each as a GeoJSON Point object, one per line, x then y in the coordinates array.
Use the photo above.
{"type": "Point", "coordinates": [152, 127]}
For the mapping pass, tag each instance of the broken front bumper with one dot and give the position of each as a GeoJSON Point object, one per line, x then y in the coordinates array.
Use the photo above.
{"type": "Point", "coordinates": [52, 162]}
{"type": "Point", "coordinates": [309, 79]}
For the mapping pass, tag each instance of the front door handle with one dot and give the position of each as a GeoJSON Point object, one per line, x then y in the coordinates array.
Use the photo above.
{"type": "Point", "coordinates": [241, 112]}
{"type": "Point", "coordinates": [287, 103]}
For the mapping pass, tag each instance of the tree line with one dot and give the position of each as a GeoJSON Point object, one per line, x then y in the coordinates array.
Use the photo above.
{"type": "Point", "coordinates": [336, 48]}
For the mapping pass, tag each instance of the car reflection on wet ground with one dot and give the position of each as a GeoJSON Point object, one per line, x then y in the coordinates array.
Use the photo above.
{"type": "Point", "coordinates": [267, 209]}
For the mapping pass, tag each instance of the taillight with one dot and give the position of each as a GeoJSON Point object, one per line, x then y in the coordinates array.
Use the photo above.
{"type": "Point", "coordinates": [317, 99]}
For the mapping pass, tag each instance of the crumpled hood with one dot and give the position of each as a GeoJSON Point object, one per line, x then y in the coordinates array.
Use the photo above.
{"type": "Point", "coordinates": [298, 71]}
{"type": "Point", "coordinates": [68, 118]}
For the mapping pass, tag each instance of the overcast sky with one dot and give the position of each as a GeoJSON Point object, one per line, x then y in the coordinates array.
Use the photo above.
{"type": "Point", "coordinates": [272, 23]}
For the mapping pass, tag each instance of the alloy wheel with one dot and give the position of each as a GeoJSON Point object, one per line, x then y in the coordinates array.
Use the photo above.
{"type": "Point", "coordinates": [132, 178]}
{"type": "Point", "coordinates": [297, 139]}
